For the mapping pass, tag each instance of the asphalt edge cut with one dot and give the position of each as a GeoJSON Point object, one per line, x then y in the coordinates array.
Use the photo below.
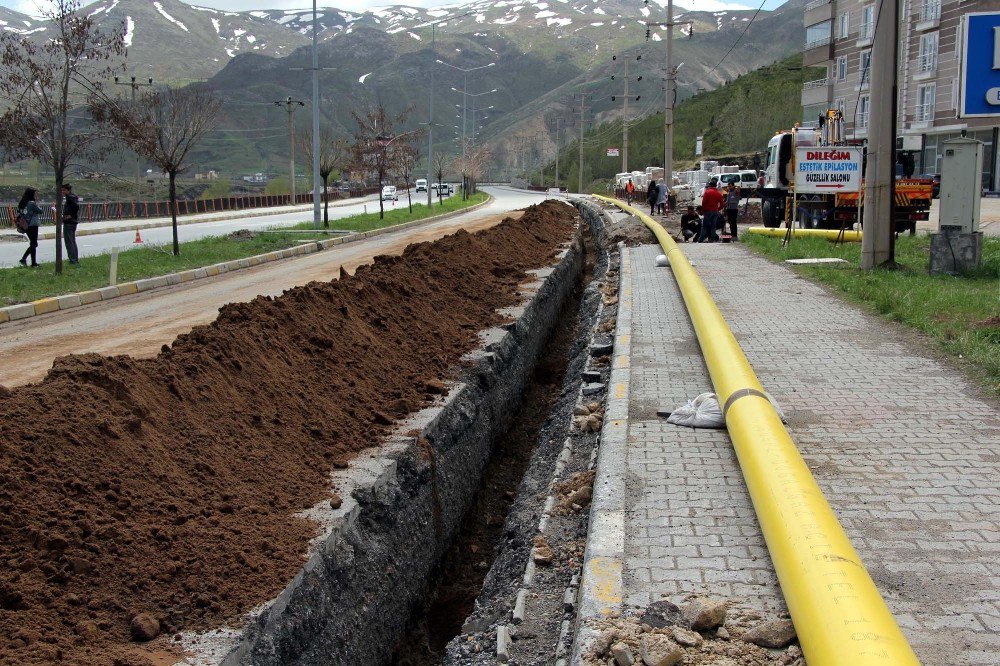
{"type": "Point", "coordinates": [47, 305]}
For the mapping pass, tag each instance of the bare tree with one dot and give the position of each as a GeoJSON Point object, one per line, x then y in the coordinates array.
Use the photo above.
{"type": "Point", "coordinates": [334, 152]}
{"type": "Point", "coordinates": [372, 150]}
{"type": "Point", "coordinates": [41, 83]}
{"type": "Point", "coordinates": [164, 126]}
{"type": "Point", "coordinates": [404, 157]}
{"type": "Point", "coordinates": [441, 160]}
{"type": "Point", "coordinates": [477, 159]}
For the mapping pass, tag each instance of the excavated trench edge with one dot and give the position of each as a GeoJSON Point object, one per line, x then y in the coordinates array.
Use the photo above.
{"type": "Point", "coordinates": [403, 503]}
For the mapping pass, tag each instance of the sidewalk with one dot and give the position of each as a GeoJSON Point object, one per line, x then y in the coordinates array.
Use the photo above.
{"type": "Point", "coordinates": [905, 452]}
{"type": "Point", "coordinates": [112, 226]}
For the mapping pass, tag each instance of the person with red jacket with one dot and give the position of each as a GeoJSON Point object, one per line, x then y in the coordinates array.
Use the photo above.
{"type": "Point", "coordinates": [711, 203]}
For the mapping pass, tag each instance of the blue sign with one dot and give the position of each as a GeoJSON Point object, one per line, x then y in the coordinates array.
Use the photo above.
{"type": "Point", "coordinates": [980, 90]}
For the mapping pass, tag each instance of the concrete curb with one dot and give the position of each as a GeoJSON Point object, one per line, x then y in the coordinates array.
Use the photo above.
{"type": "Point", "coordinates": [68, 301]}
{"type": "Point", "coordinates": [601, 588]}
{"type": "Point", "coordinates": [140, 226]}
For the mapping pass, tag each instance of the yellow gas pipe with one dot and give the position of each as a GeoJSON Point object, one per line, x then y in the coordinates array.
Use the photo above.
{"type": "Point", "coordinates": [839, 615]}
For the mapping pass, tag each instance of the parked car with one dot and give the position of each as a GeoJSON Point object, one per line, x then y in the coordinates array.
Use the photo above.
{"type": "Point", "coordinates": [389, 193]}
{"type": "Point", "coordinates": [936, 177]}
{"type": "Point", "coordinates": [434, 187]}
{"type": "Point", "coordinates": [421, 185]}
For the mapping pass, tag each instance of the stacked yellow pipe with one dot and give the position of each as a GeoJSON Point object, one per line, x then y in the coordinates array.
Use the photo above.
{"type": "Point", "coordinates": [840, 618]}
{"type": "Point", "coordinates": [829, 234]}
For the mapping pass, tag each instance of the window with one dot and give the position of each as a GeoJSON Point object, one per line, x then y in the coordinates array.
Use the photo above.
{"type": "Point", "coordinates": [841, 68]}
{"type": "Point", "coordinates": [930, 10]}
{"type": "Point", "coordinates": [927, 60]}
{"type": "Point", "coordinates": [839, 105]}
{"type": "Point", "coordinates": [819, 34]}
{"type": "Point", "coordinates": [864, 109]}
{"type": "Point", "coordinates": [867, 29]}
{"type": "Point", "coordinates": [925, 102]}
{"type": "Point", "coordinates": [845, 25]}
{"type": "Point", "coordinates": [865, 69]}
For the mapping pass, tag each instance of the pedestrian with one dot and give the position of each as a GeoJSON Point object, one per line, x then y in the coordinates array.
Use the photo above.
{"type": "Point", "coordinates": [71, 213]}
{"type": "Point", "coordinates": [661, 197]}
{"type": "Point", "coordinates": [31, 211]}
{"type": "Point", "coordinates": [690, 223]}
{"type": "Point", "coordinates": [733, 195]}
{"type": "Point", "coordinates": [629, 191]}
{"type": "Point", "coordinates": [651, 196]}
{"type": "Point", "coordinates": [711, 204]}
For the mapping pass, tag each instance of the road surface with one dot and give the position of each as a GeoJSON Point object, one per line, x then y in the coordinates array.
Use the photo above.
{"type": "Point", "coordinates": [140, 324]}
{"type": "Point", "coordinates": [10, 252]}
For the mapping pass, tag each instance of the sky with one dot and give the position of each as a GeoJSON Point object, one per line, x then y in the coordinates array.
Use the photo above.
{"type": "Point", "coordinates": [32, 6]}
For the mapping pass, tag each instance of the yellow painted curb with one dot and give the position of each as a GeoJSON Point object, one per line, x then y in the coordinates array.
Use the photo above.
{"type": "Point", "coordinates": [128, 288]}
{"type": "Point", "coordinates": [4, 317]}
{"type": "Point", "coordinates": [46, 305]}
{"type": "Point", "coordinates": [88, 297]}
{"type": "Point", "coordinates": [839, 615]}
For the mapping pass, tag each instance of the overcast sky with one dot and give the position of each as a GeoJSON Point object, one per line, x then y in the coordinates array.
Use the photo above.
{"type": "Point", "coordinates": [31, 6]}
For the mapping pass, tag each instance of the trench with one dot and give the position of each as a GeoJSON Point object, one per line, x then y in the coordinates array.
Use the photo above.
{"type": "Point", "coordinates": [453, 590]}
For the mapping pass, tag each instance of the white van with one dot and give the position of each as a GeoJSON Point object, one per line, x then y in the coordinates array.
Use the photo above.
{"type": "Point", "coordinates": [389, 193]}
{"type": "Point", "coordinates": [421, 185]}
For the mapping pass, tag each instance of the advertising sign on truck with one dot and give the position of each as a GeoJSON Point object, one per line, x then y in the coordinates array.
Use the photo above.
{"type": "Point", "coordinates": [827, 169]}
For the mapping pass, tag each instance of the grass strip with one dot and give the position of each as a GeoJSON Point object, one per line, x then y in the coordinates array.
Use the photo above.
{"type": "Point", "coordinates": [961, 313]}
{"type": "Point", "coordinates": [20, 285]}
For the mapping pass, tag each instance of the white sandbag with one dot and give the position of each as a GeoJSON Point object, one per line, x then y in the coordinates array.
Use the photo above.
{"type": "Point", "coordinates": [662, 261]}
{"type": "Point", "coordinates": [702, 412]}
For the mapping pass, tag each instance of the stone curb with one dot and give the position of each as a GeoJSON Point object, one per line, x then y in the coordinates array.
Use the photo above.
{"type": "Point", "coordinates": [601, 588]}
{"type": "Point", "coordinates": [140, 226]}
{"type": "Point", "coordinates": [67, 301]}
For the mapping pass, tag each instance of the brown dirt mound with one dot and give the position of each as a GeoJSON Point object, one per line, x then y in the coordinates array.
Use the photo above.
{"type": "Point", "coordinates": [166, 486]}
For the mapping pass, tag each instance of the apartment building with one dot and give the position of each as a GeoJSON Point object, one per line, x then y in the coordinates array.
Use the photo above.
{"type": "Point", "coordinates": [839, 36]}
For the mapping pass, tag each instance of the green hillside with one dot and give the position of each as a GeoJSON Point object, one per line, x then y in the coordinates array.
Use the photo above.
{"type": "Point", "coordinates": [736, 118]}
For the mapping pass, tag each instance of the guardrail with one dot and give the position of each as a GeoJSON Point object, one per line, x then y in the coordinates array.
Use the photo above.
{"type": "Point", "coordinates": [127, 210]}
{"type": "Point", "coordinates": [838, 613]}
{"type": "Point", "coordinates": [815, 3]}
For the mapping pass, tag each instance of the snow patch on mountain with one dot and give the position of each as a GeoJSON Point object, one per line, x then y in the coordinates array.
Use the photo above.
{"type": "Point", "coordinates": [364, 76]}
{"type": "Point", "coordinates": [545, 14]}
{"type": "Point", "coordinates": [561, 22]}
{"type": "Point", "coordinates": [415, 36]}
{"type": "Point", "coordinates": [129, 30]}
{"type": "Point", "coordinates": [215, 24]}
{"type": "Point", "coordinates": [170, 18]}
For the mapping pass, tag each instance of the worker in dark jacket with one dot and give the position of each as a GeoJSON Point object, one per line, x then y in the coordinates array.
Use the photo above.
{"type": "Point", "coordinates": [71, 216]}
{"type": "Point", "coordinates": [32, 213]}
{"type": "Point", "coordinates": [651, 197]}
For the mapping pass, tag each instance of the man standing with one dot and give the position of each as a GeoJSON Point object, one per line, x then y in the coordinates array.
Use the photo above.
{"type": "Point", "coordinates": [711, 204]}
{"type": "Point", "coordinates": [71, 212]}
{"type": "Point", "coordinates": [629, 191]}
{"type": "Point", "coordinates": [732, 207]}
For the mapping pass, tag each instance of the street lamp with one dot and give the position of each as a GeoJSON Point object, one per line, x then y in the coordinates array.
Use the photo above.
{"type": "Point", "coordinates": [465, 95]}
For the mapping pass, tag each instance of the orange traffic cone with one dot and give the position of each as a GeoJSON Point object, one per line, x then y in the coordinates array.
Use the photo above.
{"type": "Point", "coordinates": [138, 238]}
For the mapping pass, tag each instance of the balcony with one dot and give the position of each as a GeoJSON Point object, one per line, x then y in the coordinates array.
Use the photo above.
{"type": "Point", "coordinates": [817, 12]}
{"type": "Point", "coordinates": [865, 34]}
{"type": "Point", "coordinates": [817, 52]}
{"type": "Point", "coordinates": [930, 15]}
{"type": "Point", "coordinates": [925, 66]}
{"type": "Point", "coordinates": [818, 92]}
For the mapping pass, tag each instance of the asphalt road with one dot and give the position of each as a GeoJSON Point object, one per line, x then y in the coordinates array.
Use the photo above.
{"type": "Point", "coordinates": [140, 324]}
{"type": "Point", "coordinates": [10, 252]}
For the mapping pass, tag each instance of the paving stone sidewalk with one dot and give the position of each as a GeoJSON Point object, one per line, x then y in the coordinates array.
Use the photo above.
{"type": "Point", "coordinates": [903, 446]}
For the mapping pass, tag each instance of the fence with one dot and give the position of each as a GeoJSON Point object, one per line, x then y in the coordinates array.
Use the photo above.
{"type": "Point", "coordinates": [127, 210]}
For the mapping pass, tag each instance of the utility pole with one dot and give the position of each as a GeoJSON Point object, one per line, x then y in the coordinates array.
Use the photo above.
{"type": "Point", "coordinates": [877, 242]}
{"type": "Point", "coordinates": [315, 128]}
{"type": "Point", "coordinates": [579, 186]}
{"type": "Point", "coordinates": [625, 112]}
{"type": "Point", "coordinates": [558, 127]}
{"type": "Point", "coordinates": [135, 85]}
{"type": "Point", "coordinates": [290, 105]}
{"type": "Point", "coordinates": [668, 103]}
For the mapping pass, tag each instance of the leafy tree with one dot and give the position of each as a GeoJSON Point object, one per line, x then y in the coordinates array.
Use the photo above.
{"type": "Point", "coordinates": [164, 126]}
{"type": "Point", "coordinates": [42, 83]}
{"type": "Point", "coordinates": [278, 186]}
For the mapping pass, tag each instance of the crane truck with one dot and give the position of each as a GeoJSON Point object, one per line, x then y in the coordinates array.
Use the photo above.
{"type": "Point", "coordinates": [823, 193]}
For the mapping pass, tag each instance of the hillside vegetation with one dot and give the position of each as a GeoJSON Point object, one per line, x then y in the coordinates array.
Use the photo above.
{"type": "Point", "coordinates": [732, 120]}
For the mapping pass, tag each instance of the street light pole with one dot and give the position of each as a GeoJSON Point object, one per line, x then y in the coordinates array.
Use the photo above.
{"type": "Point", "coordinates": [465, 80]}
{"type": "Point", "coordinates": [317, 222]}
{"type": "Point", "coordinates": [668, 103]}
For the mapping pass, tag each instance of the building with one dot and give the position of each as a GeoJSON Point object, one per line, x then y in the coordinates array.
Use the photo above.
{"type": "Point", "coordinates": [839, 36]}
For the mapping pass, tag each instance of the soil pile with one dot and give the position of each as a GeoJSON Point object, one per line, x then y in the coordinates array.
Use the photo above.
{"type": "Point", "coordinates": [164, 487]}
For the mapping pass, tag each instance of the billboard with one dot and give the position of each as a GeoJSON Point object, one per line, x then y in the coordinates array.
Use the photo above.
{"type": "Point", "coordinates": [820, 169]}
{"type": "Point", "coordinates": [613, 152]}
{"type": "Point", "coordinates": [979, 69]}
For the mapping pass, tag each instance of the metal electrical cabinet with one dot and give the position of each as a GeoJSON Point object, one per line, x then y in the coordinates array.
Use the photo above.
{"type": "Point", "coordinates": [961, 189]}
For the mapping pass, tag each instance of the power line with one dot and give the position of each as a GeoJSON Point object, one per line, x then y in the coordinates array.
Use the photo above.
{"type": "Point", "coordinates": [733, 47]}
